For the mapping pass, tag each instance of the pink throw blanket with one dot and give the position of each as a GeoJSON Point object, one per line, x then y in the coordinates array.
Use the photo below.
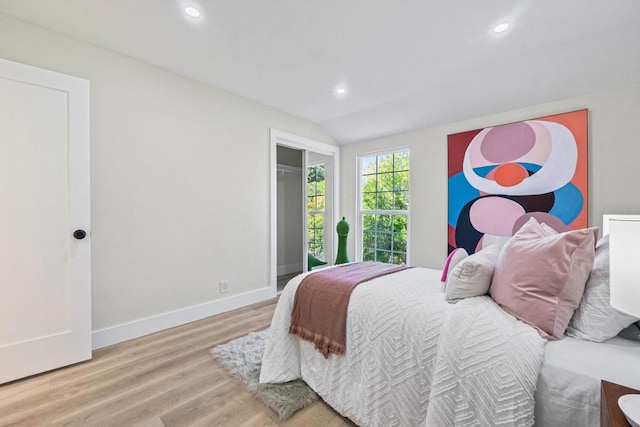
{"type": "Point", "coordinates": [320, 305]}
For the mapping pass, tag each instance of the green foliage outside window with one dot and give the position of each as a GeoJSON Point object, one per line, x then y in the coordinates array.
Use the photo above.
{"type": "Point", "coordinates": [315, 208]}
{"type": "Point", "coordinates": [385, 187]}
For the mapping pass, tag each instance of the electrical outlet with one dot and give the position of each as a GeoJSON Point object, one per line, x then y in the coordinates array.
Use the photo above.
{"type": "Point", "coordinates": [224, 286]}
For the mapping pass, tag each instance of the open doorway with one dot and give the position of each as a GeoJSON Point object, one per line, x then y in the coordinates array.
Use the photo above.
{"type": "Point", "coordinates": [304, 205]}
{"type": "Point", "coordinates": [290, 214]}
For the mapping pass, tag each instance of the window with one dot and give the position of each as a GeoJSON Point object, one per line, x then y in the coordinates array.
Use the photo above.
{"type": "Point", "coordinates": [315, 210]}
{"type": "Point", "coordinates": [384, 207]}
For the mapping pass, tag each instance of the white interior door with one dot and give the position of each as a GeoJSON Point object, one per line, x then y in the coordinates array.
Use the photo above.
{"type": "Point", "coordinates": [45, 279]}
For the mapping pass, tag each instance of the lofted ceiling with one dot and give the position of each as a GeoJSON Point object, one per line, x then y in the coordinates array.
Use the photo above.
{"type": "Point", "coordinates": [406, 64]}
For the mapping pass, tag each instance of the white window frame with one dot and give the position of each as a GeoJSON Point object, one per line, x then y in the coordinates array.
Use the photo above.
{"type": "Point", "coordinates": [360, 212]}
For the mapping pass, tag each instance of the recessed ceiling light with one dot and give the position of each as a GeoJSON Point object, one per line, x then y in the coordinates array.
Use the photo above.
{"type": "Point", "coordinates": [192, 11]}
{"type": "Point", "coordinates": [501, 28]}
{"type": "Point", "coordinates": [341, 91]}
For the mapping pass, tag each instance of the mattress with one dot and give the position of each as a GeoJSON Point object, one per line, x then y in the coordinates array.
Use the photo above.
{"type": "Point", "coordinates": [568, 386]}
{"type": "Point", "coordinates": [568, 390]}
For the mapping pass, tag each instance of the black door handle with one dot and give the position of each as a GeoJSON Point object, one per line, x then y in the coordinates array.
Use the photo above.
{"type": "Point", "coordinates": [79, 234]}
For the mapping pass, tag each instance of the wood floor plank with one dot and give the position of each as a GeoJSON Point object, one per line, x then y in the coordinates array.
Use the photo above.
{"type": "Point", "coordinates": [165, 379]}
{"type": "Point", "coordinates": [211, 403]}
{"type": "Point", "coordinates": [106, 358]}
{"type": "Point", "coordinates": [133, 405]}
{"type": "Point", "coordinates": [120, 370]}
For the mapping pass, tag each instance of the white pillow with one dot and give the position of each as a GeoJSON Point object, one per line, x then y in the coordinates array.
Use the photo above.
{"type": "Point", "coordinates": [472, 276]}
{"type": "Point", "coordinates": [488, 240]}
{"type": "Point", "coordinates": [595, 319]}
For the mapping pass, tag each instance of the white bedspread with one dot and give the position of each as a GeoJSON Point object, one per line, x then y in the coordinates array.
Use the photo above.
{"type": "Point", "coordinates": [568, 391]}
{"type": "Point", "coordinates": [487, 368]}
{"type": "Point", "coordinates": [410, 354]}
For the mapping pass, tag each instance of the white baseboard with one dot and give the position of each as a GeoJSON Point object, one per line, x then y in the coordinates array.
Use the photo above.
{"type": "Point", "coordinates": [148, 325]}
{"type": "Point", "coordinates": [289, 268]}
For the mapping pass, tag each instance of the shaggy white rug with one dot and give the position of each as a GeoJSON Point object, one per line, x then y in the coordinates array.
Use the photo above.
{"type": "Point", "coordinates": [243, 357]}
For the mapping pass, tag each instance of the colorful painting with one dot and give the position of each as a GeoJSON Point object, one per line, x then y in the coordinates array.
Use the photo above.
{"type": "Point", "coordinates": [501, 176]}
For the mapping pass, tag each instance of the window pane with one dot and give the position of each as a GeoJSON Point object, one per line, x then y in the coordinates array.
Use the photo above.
{"type": "Point", "coordinates": [311, 203]}
{"type": "Point", "coordinates": [383, 256]}
{"type": "Point", "coordinates": [401, 161]}
{"type": "Point", "coordinates": [369, 222]}
{"type": "Point", "coordinates": [320, 188]}
{"type": "Point", "coordinates": [399, 259]}
{"type": "Point", "coordinates": [311, 189]}
{"type": "Point", "coordinates": [385, 163]}
{"type": "Point", "coordinates": [384, 241]}
{"type": "Point", "coordinates": [384, 222]}
{"type": "Point", "coordinates": [368, 255]}
{"type": "Point", "coordinates": [400, 223]}
{"type": "Point", "coordinates": [399, 242]}
{"type": "Point", "coordinates": [401, 181]}
{"type": "Point", "coordinates": [315, 221]}
{"type": "Point", "coordinates": [368, 165]}
{"type": "Point", "coordinates": [320, 203]}
{"type": "Point", "coordinates": [385, 200]}
{"type": "Point", "coordinates": [369, 239]}
{"type": "Point", "coordinates": [315, 235]}
{"type": "Point", "coordinates": [369, 201]}
{"type": "Point", "coordinates": [385, 181]}
{"type": "Point", "coordinates": [368, 183]}
{"type": "Point", "coordinates": [315, 173]}
{"type": "Point", "coordinates": [401, 200]}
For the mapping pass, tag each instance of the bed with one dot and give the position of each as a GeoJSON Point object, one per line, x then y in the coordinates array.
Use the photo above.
{"type": "Point", "coordinates": [391, 363]}
{"type": "Point", "coordinates": [488, 348]}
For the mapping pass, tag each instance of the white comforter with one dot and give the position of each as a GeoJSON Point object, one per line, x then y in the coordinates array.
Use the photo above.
{"type": "Point", "coordinates": [412, 359]}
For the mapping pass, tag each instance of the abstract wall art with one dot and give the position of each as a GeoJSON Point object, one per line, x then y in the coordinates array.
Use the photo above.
{"type": "Point", "coordinates": [501, 176]}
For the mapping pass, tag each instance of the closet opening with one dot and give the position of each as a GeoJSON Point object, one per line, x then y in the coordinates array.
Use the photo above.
{"type": "Point", "coordinates": [303, 206]}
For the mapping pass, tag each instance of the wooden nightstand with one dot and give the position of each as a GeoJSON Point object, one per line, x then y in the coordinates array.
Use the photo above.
{"type": "Point", "coordinates": [610, 413]}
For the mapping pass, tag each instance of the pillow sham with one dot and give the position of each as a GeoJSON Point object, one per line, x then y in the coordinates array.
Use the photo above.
{"type": "Point", "coordinates": [540, 275]}
{"type": "Point", "coordinates": [453, 259]}
{"type": "Point", "coordinates": [472, 276]}
{"type": "Point", "coordinates": [595, 319]}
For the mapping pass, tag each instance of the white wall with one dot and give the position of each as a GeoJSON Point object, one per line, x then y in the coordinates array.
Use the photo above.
{"type": "Point", "coordinates": [614, 166]}
{"type": "Point", "coordinates": [179, 179]}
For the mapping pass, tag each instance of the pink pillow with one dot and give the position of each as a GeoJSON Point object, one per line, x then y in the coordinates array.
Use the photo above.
{"type": "Point", "coordinates": [454, 257]}
{"type": "Point", "coordinates": [541, 274]}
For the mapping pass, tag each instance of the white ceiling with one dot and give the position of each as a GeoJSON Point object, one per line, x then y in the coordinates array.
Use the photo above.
{"type": "Point", "coordinates": [407, 64]}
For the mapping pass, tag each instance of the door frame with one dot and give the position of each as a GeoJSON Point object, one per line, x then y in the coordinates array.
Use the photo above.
{"type": "Point", "coordinates": [279, 137]}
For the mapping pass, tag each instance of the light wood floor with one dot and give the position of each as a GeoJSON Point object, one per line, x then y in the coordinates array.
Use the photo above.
{"type": "Point", "coordinates": [165, 379]}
